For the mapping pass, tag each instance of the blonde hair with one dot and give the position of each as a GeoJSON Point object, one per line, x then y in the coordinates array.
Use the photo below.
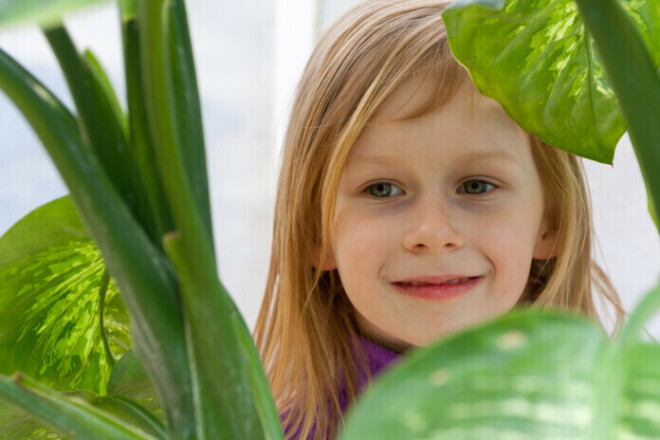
{"type": "Point", "coordinates": [306, 323]}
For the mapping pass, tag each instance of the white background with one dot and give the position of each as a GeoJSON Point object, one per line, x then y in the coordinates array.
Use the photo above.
{"type": "Point", "coordinates": [249, 56]}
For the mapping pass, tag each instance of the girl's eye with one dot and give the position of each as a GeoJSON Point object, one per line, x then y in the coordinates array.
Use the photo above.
{"type": "Point", "coordinates": [475, 187]}
{"type": "Point", "coordinates": [384, 189]}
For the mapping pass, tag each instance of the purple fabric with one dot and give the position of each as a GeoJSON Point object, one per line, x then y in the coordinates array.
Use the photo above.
{"type": "Point", "coordinates": [378, 358]}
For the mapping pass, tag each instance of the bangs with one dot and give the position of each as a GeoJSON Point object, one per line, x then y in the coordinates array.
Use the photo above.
{"type": "Point", "coordinates": [430, 84]}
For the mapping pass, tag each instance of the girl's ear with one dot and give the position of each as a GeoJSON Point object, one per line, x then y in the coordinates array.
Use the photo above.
{"type": "Point", "coordinates": [323, 264]}
{"type": "Point", "coordinates": [546, 243]}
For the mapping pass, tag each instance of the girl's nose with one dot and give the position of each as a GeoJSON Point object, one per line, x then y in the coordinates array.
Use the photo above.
{"type": "Point", "coordinates": [432, 228]}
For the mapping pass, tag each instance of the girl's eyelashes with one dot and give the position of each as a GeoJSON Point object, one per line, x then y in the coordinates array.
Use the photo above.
{"type": "Point", "coordinates": [475, 187]}
{"type": "Point", "coordinates": [383, 189]}
{"type": "Point", "coordinates": [472, 187]}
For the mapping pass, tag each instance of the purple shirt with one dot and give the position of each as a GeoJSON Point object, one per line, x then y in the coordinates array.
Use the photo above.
{"type": "Point", "coordinates": [378, 358]}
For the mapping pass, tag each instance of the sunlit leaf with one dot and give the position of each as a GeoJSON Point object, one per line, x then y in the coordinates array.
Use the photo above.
{"type": "Point", "coordinates": [50, 276]}
{"type": "Point", "coordinates": [536, 60]}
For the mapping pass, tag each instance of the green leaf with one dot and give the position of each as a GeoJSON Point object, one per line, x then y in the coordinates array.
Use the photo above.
{"type": "Point", "coordinates": [130, 380]}
{"type": "Point", "coordinates": [529, 375]}
{"type": "Point", "coordinates": [18, 425]}
{"type": "Point", "coordinates": [133, 413]}
{"type": "Point", "coordinates": [507, 380]}
{"type": "Point", "coordinates": [225, 404]}
{"type": "Point", "coordinates": [103, 123]}
{"type": "Point", "coordinates": [189, 114]}
{"type": "Point", "coordinates": [147, 286]}
{"type": "Point", "coordinates": [45, 12]}
{"type": "Point", "coordinates": [263, 397]}
{"type": "Point", "coordinates": [131, 397]}
{"type": "Point", "coordinates": [50, 277]}
{"type": "Point", "coordinates": [104, 88]}
{"type": "Point", "coordinates": [70, 415]}
{"type": "Point", "coordinates": [536, 59]}
{"type": "Point", "coordinates": [139, 135]}
{"type": "Point", "coordinates": [633, 72]}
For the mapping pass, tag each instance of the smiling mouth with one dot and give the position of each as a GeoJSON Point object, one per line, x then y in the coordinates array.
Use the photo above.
{"type": "Point", "coordinates": [446, 283]}
{"type": "Point", "coordinates": [437, 289]}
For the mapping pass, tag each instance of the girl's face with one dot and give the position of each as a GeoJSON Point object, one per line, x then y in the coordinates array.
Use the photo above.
{"type": "Point", "coordinates": [437, 218]}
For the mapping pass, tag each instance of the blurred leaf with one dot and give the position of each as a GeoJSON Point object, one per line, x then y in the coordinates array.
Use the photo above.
{"type": "Point", "coordinates": [17, 425]}
{"type": "Point", "coordinates": [129, 379]}
{"type": "Point", "coordinates": [104, 88]}
{"type": "Point", "coordinates": [132, 413]}
{"type": "Point", "coordinates": [45, 12]}
{"type": "Point", "coordinates": [529, 375]}
{"type": "Point", "coordinates": [50, 276]}
{"type": "Point", "coordinates": [71, 414]}
{"type": "Point", "coordinates": [128, 385]}
{"type": "Point", "coordinates": [536, 59]}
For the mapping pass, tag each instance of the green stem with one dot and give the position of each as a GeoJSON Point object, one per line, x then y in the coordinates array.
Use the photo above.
{"type": "Point", "coordinates": [139, 126]}
{"type": "Point", "coordinates": [105, 281]}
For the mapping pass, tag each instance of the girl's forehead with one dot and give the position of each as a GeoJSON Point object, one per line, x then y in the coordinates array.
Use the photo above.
{"type": "Point", "coordinates": [468, 123]}
{"type": "Point", "coordinates": [415, 93]}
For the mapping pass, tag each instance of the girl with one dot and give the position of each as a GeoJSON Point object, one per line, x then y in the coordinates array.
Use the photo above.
{"type": "Point", "coordinates": [409, 207]}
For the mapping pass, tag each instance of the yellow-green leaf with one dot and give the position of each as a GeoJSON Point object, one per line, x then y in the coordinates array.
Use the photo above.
{"type": "Point", "coordinates": [50, 281]}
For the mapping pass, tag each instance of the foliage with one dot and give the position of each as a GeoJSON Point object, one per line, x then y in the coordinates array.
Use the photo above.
{"type": "Point", "coordinates": [52, 309]}
{"type": "Point", "coordinates": [143, 232]}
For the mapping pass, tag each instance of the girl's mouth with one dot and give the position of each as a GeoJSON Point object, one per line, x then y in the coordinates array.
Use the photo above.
{"type": "Point", "coordinates": [437, 288]}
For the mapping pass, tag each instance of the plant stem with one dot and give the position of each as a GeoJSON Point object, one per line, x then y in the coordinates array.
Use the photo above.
{"type": "Point", "coordinates": [105, 281]}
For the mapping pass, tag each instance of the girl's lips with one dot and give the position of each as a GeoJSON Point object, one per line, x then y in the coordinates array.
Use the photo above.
{"type": "Point", "coordinates": [437, 291]}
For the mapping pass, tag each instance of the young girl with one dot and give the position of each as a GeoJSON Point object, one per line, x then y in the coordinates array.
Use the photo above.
{"type": "Point", "coordinates": [409, 207]}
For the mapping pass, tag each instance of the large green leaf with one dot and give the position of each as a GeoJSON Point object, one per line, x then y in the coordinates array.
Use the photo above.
{"type": "Point", "coordinates": [50, 281]}
{"type": "Point", "coordinates": [529, 375]}
{"type": "Point", "coordinates": [46, 12]}
{"type": "Point", "coordinates": [536, 59]}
